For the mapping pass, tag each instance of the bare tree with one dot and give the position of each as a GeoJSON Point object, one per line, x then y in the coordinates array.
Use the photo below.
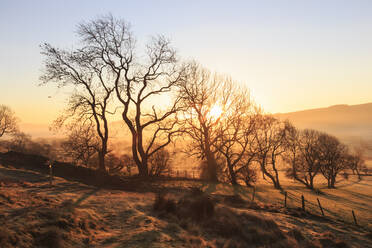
{"type": "Point", "coordinates": [20, 142]}
{"type": "Point", "coordinates": [8, 121]}
{"type": "Point", "coordinates": [333, 158]}
{"type": "Point", "coordinates": [235, 135]}
{"type": "Point", "coordinates": [160, 163]}
{"type": "Point", "coordinates": [200, 93]}
{"type": "Point", "coordinates": [138, 81]}
{"type": "Point", "coordinates": [303, 155]}
{"type": "Point", "coordinates": [82, 144]}
{"type": "Point", "coordinates": [356, 159]}
{"type": "Point", "coordinates": [269, 145]}
{"type": "Point", "coordinates": [91, 77]}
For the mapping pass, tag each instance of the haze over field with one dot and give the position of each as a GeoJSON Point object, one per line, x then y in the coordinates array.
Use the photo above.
{"type": "Point", "coordinates": [348, 122]}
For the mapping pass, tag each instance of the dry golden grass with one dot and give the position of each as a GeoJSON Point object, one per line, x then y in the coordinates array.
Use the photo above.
{"type": "Point", "coordinates": [70, 214]}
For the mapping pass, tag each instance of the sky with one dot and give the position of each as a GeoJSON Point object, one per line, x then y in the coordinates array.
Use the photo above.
{"type": "Point", "coordinates": [292, 55]}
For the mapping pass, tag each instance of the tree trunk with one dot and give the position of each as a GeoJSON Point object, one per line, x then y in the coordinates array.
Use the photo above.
{"type": "Point", "coordinates": [232, 175]}
{"type": "Point", "coordinates": [277, 183]}
{"type": "Point", "coordinates": [311, 184]}
{"type": "Point", "coordinates": [329, 183]}
{"type": "Point", "coordinates": [101, 161]}
{"type": "Point", "coordinates": [211, 167]}
{"type": "Point", "coordinates": [333, 181]}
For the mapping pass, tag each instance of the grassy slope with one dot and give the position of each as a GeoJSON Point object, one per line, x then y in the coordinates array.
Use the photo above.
{"type": "Point", "coordinates": [37, 214]}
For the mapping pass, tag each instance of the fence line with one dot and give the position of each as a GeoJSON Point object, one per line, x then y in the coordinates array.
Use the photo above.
{"type": "Point", "coordinates": [289, 199]}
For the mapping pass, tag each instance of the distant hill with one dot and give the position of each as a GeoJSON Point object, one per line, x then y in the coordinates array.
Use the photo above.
{"type": "Point", "coordinates": [351, 123]}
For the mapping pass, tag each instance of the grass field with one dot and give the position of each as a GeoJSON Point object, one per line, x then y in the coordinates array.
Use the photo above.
{"type": "Point", "coordinates": [71, 214]}
{"type": "Point", "coordinates": [351, 194]}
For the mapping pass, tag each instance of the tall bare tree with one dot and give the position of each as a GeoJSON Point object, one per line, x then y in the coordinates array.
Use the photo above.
{"type": "Point", "coordinates": [139, 80]}
{"type": "Point", "coordinates": [269, 145]}
{"type": "Point", "coordinates": [334, 156]}
{"type": "Point", "coordinates": [356, 159]}
{"type": "Point", "coordinates": [236, 134]}
{"type": "Point", "coordinates": [200, 93]}
{"type": "Point", "coordinates": [90, 76]}
{"type": "Point", "coordinates": [8, 121]}
{"type": "Point", "coordinates": [303, 155]}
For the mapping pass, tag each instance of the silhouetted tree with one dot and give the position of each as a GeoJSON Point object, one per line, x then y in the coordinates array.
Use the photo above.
{"type": "Point", "coordinates": [87, 71]}
{"type": "Point", "coordinates": [82, 144]}
{"type": "Point", "coordinates": [333, 158]}
{"type": "Point", "coordinates": [356, 159]}
{"type": "Point", "coordinates": [8, 121]}
{"type": "Point", "coordinates": [20, 142]}
{"type": "Point", "coordinates": [160, 163]}
{"type": "Point", "coordinates": [200, 92]}
{"type": "Point", "coordinates": [269, 145]}
{"type": "Point", "coordinates": [138, 79]}
{"type": "Point", "coordinates": [235, 134]}
{"type": "Point", "coordinates": [303, 155]}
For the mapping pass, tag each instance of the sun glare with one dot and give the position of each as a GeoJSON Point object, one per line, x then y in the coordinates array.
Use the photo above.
{"type": "Point", "coordinates": [216, 111]}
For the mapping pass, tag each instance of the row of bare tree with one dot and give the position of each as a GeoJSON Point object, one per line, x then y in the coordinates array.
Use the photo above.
{"type": "Point", "coordinates": [310, 152]}
{"type": "Point", "coordinates": [162, 100]}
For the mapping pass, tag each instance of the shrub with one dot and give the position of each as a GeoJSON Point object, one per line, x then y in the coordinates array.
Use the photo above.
{"type": "Point", "coordinates": [164, 204]}
{"type": "Point", "coordinates": [195, 206]}
{"type": "Point", "coordinates": [51, 237]}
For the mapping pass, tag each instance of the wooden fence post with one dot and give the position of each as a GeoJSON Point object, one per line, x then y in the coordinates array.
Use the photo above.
{"type": "Point", "coordinates": [285, 199]}
{"type": "Point", "coordinates": [50, 173]}
{"type": "Point", "coordinates": [355, 221]}
{"type": "Point", "coordinates": [253, 193]}
{"type": "Point", "coordinates": [320, 206]}
{"type": "Point", "coordinates": [303, 202]}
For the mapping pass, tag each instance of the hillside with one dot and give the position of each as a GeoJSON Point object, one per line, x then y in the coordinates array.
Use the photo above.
{"type": "Point", "coordinates": [72, 214]}
{"type": "Point", "coordinates": [350, 123]}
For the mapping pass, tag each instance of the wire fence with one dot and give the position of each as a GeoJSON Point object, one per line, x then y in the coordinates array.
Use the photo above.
{"type": "Point", "coordinates": [312, 204]}
{"type": "Point", "coordinates": [320, 207]}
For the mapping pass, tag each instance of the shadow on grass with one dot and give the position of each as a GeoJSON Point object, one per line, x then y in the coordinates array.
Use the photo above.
{"type": "Point", "coordinates": [28, 176]}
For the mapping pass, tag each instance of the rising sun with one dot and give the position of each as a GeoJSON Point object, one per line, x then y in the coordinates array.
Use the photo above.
{"type": "Point", "coordinates": [215, 111]}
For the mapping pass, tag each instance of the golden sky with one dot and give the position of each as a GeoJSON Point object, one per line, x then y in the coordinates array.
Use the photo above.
{"type": "Point", "coordinates": [293, 55]}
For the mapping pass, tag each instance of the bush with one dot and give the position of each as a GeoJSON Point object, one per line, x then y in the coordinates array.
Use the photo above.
{"type": "Point", "coordinates": [195, 206]}
{"type": "Point", "coordinates": [51, 237]}
{"type": "Point", "coordinates": [164, 204]}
